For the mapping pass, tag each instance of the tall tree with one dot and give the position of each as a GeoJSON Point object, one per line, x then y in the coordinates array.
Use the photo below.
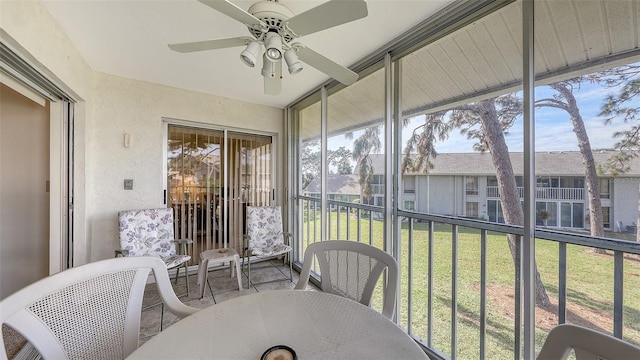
{"type": "Point", "coordinates": [495, 116]}
{"type": "Point", "coordinates": [422, 141]}
{"type": "Point", "coordinates": [341, 159]}
{"type": "Point", "coordinates": [310, 160]}
{"type": "Point", "coordinates": [564, 99]}
{"type": "Point", "coordinates": [485, 121]}
{"type": "Point", "coordinates": [366, 144]}
{"type": "Point", "coordinates": [310, 155]}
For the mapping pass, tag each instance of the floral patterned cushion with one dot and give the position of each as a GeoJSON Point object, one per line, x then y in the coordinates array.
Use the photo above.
{"type": "Point", "coordinates": [264, 230]}
{"type": "Point", "coordinates": [149, 232]}
{"type": "Point", "coordinates": [271, 250]}
{"type": "Point", "coordinates": [176, 260]}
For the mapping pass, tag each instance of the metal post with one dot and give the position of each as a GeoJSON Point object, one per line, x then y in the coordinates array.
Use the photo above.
{"type": "Point", "coordinates": [389, 199]}
{"type": "Point", "coordinates": [323, 163]}
{"type": "Point", "coordinates": [517, 326]}
{"type": "Point", "coordinates": [409, 276]}
{"type": "Point", "coordinates": [359, 224]}
{"type": "Point", "coordinates": [483, 293]}
{"type": "Point", "coordinates": [338, 235]}
{"type": "Point", "coordinates": [431, 225]}
{"type": "Point", "coordinates": [562, 282]}
{"type": "Point", "coordinates": [528, 241]}
{"type": "Point", "coordinates": [348, 212]}
{"type": "Point", "coordinates": [226, 197]}
{"type": "Point", "coordinates": [397, 181]}
{"type": "Point", "coordinates": [454, 290]}
{"type": "Point", "coordinates": [618, 292]}
{"type": "Point", "coordinates": [370, 227]}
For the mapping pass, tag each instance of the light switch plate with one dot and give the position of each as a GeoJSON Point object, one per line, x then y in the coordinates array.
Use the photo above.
{"type": "Point", "coordinates": [128, 184]}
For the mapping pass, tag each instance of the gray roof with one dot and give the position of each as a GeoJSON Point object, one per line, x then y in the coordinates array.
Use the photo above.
{"type": "Point", "coordinates": [336, 184]}
{"type": "Point", "coordinates": [561, 163]}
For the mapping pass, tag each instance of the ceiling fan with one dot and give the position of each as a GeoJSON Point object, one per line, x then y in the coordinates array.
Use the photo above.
{"type": "Point", "coordinates": [275, 27]}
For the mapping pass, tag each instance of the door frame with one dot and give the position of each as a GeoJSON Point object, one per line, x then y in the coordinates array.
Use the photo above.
{"type": "Point", "coordinates": [225, 129]}
{"type": "Point", "coordinates": [60, 187]}
{"type": "Point", "coordinates": [25, 71]}
{"type": "Point", "coordinates": [61, 244]}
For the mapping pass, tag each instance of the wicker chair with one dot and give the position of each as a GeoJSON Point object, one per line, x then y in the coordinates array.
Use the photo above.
{"type": "Point", "coordinates": [586, 343]}
{"type": "Point", "coordinates": [88, 312]}
{"type": "Point", "coordinates": [352, 269]}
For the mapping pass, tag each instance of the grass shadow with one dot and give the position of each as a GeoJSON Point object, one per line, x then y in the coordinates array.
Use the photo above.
{"type": "Point", "coordinates": [494, 329]}
{"type": "Point", "coordinates": [604, 309]}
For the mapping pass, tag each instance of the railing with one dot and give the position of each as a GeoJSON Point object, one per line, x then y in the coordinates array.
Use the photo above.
{"type": "Point", "coordinates": [544, 193]}
{"type": "Point", "coordinates": [199, 215]}
{"type": "Point", "coordinates": [460, 293]}
{"type": "Point", "coordinates": [339, 225]}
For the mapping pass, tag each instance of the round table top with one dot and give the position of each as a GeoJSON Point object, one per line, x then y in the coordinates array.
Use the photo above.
{"type": "Point", "coordinates": [314, 324]}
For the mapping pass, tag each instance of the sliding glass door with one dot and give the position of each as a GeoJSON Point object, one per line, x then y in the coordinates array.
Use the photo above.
{"type": "Point", "coordinates": [250, 180]}
{"type": "Point", "coordinates": [212, 176]}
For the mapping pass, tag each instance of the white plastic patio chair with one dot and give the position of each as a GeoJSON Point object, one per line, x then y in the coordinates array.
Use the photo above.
{"type": "Point", "coordinates": [90, 311]}
{"type": "Point", "coordinates": [265, 237]}
{"type": "Point", "coordinates": [352, 269]}
{"type": "Point", "coordinates": [586, 343]}
{"type": "Point", "coordinates": [149, 232]}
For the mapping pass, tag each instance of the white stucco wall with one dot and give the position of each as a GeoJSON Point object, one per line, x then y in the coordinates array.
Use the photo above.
{"type": "Point", "coordinates": [436, 194]}
{"type": "Point", "coordinates": [30, 24]}
{"type": "Point", "coordinates": [28, 28]}
{"type": "Point", "coordinates": [107, 107]}
{"type": "Point", "coordinates": [137, 108]}
{"type": "Point", "coordinates": [625, 200]}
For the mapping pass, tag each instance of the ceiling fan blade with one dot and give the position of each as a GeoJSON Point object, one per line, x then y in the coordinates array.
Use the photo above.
{"type": "Point", "coordinates": [210, 44]}
{"type": "Point", "coordinates": [273, 84]}
{"type": "Point", "coordinates": [232, 10]}
{"type": "Point", "coordinates": [327, 66]}
{"type": "Point", "coordinates": [327, 15]}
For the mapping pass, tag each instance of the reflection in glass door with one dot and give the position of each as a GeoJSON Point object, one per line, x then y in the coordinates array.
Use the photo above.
{"type": "Point", "coordinates": [249, 160]}
{"type": "Point", "coordinates": [212, 175]}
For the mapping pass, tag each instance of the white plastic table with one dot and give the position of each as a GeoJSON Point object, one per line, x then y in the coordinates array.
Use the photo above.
{"type": "Point", "coordinates": [316, 325]}
{"type": "Point", "coordinates": [217, 255]}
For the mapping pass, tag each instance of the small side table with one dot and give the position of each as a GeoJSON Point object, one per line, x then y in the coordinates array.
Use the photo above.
{"type": "Point", "coordinates": [218, 255]}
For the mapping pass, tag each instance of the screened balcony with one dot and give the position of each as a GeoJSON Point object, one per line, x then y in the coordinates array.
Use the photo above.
{"type": "Point", "coordinates": [468, 261]}
{"type": "Point", "coordinates": [486, 273]}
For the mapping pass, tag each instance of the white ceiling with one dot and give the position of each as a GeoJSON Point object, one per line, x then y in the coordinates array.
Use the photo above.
{"type": "Point", "coordinates": [129, 39]}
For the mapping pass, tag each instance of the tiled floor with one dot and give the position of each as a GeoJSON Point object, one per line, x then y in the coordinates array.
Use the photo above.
{"type": "Point", "coordinates": [223, 286]}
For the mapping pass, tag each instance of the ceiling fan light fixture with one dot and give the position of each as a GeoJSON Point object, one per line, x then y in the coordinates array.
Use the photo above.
{"type": "Point", "coordinates": [251, 53]}
{"type": "Point", "coordinates": [273, 44]}
{"type": "Point", "coordinates": [291, 58]}
{"type": "Point", "coordinates": [275, 26]}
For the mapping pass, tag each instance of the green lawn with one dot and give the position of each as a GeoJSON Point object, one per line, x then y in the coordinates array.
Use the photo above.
{"type": "Point", "coordinates": [589, 287]}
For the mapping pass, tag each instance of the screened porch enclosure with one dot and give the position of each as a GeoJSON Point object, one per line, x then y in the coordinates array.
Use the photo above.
{"type": "Point", "coordinates": [474, 242]}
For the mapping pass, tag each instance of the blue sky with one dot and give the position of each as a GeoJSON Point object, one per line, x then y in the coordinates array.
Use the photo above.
{"type": "Point", "coordinates": [554, 131]}
{"type": "Point", "coordinates": [553, 127]}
